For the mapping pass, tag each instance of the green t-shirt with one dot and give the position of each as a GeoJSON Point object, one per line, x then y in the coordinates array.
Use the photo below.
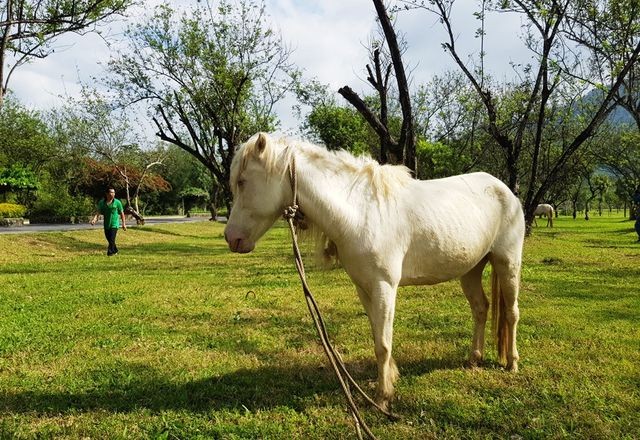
{"type": "Point", "coordinates": [111, 213]}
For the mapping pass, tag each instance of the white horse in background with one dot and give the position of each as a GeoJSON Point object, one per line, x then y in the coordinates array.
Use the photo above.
{"type": "Point", "coordinates": [544, 210]}
{"type": "Point", "coordinates": [390, 230]}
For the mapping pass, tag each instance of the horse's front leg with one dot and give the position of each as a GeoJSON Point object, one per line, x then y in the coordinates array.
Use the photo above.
{"type": "Point", "coordinates": [379, 302]}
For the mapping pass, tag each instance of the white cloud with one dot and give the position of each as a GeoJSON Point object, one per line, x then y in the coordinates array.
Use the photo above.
{"type": "Point", "coordinates": [327, 37]}
{"type": "Point", "coordinates": [75, 59]}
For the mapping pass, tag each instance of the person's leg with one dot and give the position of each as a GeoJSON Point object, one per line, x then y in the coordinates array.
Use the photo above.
{"type": "Point", "coordinates": [110, 234]}
{"type": "Point", "coordinates": [115, 248]}
{"type": "Point", "coordinates": [107, 235]}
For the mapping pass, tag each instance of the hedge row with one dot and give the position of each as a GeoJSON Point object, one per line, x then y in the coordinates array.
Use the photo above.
{"type": "Point", "coordinates": [11, 210]}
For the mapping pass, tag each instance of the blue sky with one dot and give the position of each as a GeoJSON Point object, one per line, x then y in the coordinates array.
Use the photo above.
{"type": "Point", "coordinates": [328, 39]}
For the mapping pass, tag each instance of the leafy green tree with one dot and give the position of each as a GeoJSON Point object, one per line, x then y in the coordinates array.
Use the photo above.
{"type": "Point", "coordinates": [186, 176]}
{"type": "Point", "coordinates": [450, 122]}
{"type": "Point", "coordinates": [598, 185]}
{"type": "Point", "coordinates": [212, 76]}
{"type": "Point", "coordinates": [436, 160]}
{"type": "Point", "coordinates": [338, 128]}
{"type": "Point", "coordinates": [18, 180]}
{"type": "Point", "coordinates": [620, 155]}
{"type": "Point", "coordinates": [25, 138]}
{"type": "Point", "coordinates": [29, 28]}
{"type": "Point", "coordinates": [192, 197]}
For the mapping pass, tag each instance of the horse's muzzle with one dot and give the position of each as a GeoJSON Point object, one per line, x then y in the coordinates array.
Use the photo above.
{"type": "Point", "coordinates": [236, 241]}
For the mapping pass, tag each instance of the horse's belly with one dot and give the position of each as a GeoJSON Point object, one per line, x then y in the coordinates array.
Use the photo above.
{"type": "Point", "coordinates": [434, 275]}
{"type": "Point", "coordinates": [422, 280]}
{"type": "Point", "coordinates": [433, 266]}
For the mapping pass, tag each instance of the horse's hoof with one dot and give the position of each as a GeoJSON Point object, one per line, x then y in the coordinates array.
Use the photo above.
{"type": "Point", "coordinates": [475, 359]}
{"type": "Point", "coordinates": [473, 364]}
{"type": "Point", "coordinates": [384, 403]}
{"type": "Point", "coordinates": [513, 367]}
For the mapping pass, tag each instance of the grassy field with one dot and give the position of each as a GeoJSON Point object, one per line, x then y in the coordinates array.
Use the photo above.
{"type": "Point", "coordinates": [178, 338]}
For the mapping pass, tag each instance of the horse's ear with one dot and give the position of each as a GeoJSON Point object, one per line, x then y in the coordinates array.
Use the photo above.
{"type": "Point", "coordinates": [261, 143]}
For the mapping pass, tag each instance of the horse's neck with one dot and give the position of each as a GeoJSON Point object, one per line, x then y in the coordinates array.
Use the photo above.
{"type": "Point", "coordinates": [325, 200]}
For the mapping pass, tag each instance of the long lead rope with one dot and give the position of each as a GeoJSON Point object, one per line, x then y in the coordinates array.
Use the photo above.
{"type": "Point", "coordinates": [291, 213]}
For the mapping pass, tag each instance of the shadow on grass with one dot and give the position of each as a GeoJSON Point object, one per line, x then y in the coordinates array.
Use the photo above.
{"type": "Point", "coordinates": [604, 244]}
{"type": "Point", "coordinates": [68, 242]}
{"type": "Point", "coordinates": [629, 315]}
{"type": "Point", "coordinates": [171, 249]}
{"type": "Point", "coordinates": [183, 256]}
{"type": "Point", "coordinates": [154, 230]}
{"type": "Point", "coordinates": [134, 386]}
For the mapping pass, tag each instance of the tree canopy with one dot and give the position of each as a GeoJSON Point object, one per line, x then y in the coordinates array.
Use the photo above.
{"type": "Point", "coordinates": [29, 28]}
{"type": "Point", "coordinates": [212, 77]}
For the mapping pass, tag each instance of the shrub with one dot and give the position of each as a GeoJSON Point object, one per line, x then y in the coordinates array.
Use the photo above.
{"type": "Point", "coordinates": [10, 210]}
{"type": "Point", "coordinates": [60, 207]}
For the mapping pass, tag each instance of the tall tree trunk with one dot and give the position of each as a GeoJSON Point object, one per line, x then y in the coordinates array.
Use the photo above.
{"type": "Point", "coordinates": [212, 204]}
{"type": "Point", "coordinates": [407, 141]}
{"type": "Point", "coordinates": [4, 41]}
{"type": "Point", "coordinates": [381, 83]}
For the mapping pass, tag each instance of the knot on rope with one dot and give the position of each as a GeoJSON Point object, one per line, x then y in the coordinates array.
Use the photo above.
{"type": "Point", "coordinates": [293, 213]}
{"type": "Point", "coordinates": [290, 212]}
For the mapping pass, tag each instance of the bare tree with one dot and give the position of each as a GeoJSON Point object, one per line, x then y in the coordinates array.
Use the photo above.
{"type": "Point", "coordinates": [549, 26]}
{"type": "Point", "coordinates": [402, 150]}
{"type": "Point", "coordinates": [610, 32]}
{"type": "Point", "coordinates": [380, 81]}
{"type": "Point", "coordinates": [29, 28]}
{"type": "Point", "coordinates": [113, 155]}
{"type": "Point", "coordinates": [100, 130]}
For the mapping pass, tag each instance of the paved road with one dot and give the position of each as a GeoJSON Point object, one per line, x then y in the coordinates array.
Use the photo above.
{"type": "Point", "coordinates": [150, 221]}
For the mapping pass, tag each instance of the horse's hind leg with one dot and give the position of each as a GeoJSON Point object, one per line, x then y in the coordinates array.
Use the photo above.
{"type": "Point", "coordinates": [472, 288]}
{"type": "Point", "coordinates": [379, 304]}
{"type": "Point", "coordinates": [508, 274]}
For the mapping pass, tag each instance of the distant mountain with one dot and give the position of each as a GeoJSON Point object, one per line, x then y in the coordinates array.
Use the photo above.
{"type": "Point", "coordinates": [619, 115]}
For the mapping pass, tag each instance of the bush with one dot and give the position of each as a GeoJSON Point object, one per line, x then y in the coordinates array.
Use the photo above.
{"type": "Point", "coordinates": [11, 210]}
{"type": "Point", "coordinates": [56, 208]}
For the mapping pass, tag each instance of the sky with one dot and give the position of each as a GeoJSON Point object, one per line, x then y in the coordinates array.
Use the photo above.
{"type": "Point", "coordinates": [328, 38]}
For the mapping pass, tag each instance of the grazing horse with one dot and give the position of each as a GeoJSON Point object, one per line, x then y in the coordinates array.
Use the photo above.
{"type": "Point", "coordinates": [389, 230]}
{"type": "Point", "coordinates": [546, 210]}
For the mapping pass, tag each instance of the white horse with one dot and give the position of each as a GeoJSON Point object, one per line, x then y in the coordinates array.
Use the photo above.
{"type": "Point", "coordinates": [546, 210]}
{"type": "Point", "coordinates": [389, 230]}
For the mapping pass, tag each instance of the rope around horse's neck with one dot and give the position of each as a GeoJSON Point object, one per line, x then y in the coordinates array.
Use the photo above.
{"type": "Point", "coordinates": [334, 358]}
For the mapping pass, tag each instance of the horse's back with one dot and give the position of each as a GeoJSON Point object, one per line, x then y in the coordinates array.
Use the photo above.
{"type": "Point", "coordinates": [543, 208]}
{"type": "Point", "coordinates": [468, 199]}
{"type": "Point", "coordinates": [455, 222]}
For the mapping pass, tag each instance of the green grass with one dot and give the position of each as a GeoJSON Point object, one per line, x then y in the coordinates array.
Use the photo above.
{"type": "Point", "coordinates": [178, 338]}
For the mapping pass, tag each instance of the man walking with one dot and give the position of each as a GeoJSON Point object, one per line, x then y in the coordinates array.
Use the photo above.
{"type": "Point", "coordinates": [113, 212]}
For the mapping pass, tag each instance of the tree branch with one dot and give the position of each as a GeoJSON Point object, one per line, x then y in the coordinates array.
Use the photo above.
{"type": "Point", "coordinates": [353, 98]}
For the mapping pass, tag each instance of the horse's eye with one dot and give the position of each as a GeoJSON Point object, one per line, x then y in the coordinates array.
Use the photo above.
{"type": "Point", "coordinates": [240, 183]}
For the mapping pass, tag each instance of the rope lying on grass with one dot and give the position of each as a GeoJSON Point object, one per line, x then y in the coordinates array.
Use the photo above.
{"type": "Point", "coordinates": [291, 214]}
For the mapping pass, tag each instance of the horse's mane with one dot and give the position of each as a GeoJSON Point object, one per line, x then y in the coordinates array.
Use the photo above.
{"type": "Point", "coordinates": [277, 154]}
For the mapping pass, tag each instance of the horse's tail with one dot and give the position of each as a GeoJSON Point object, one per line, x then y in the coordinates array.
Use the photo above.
{"type": "Point", "coordinates": [498, 317]}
